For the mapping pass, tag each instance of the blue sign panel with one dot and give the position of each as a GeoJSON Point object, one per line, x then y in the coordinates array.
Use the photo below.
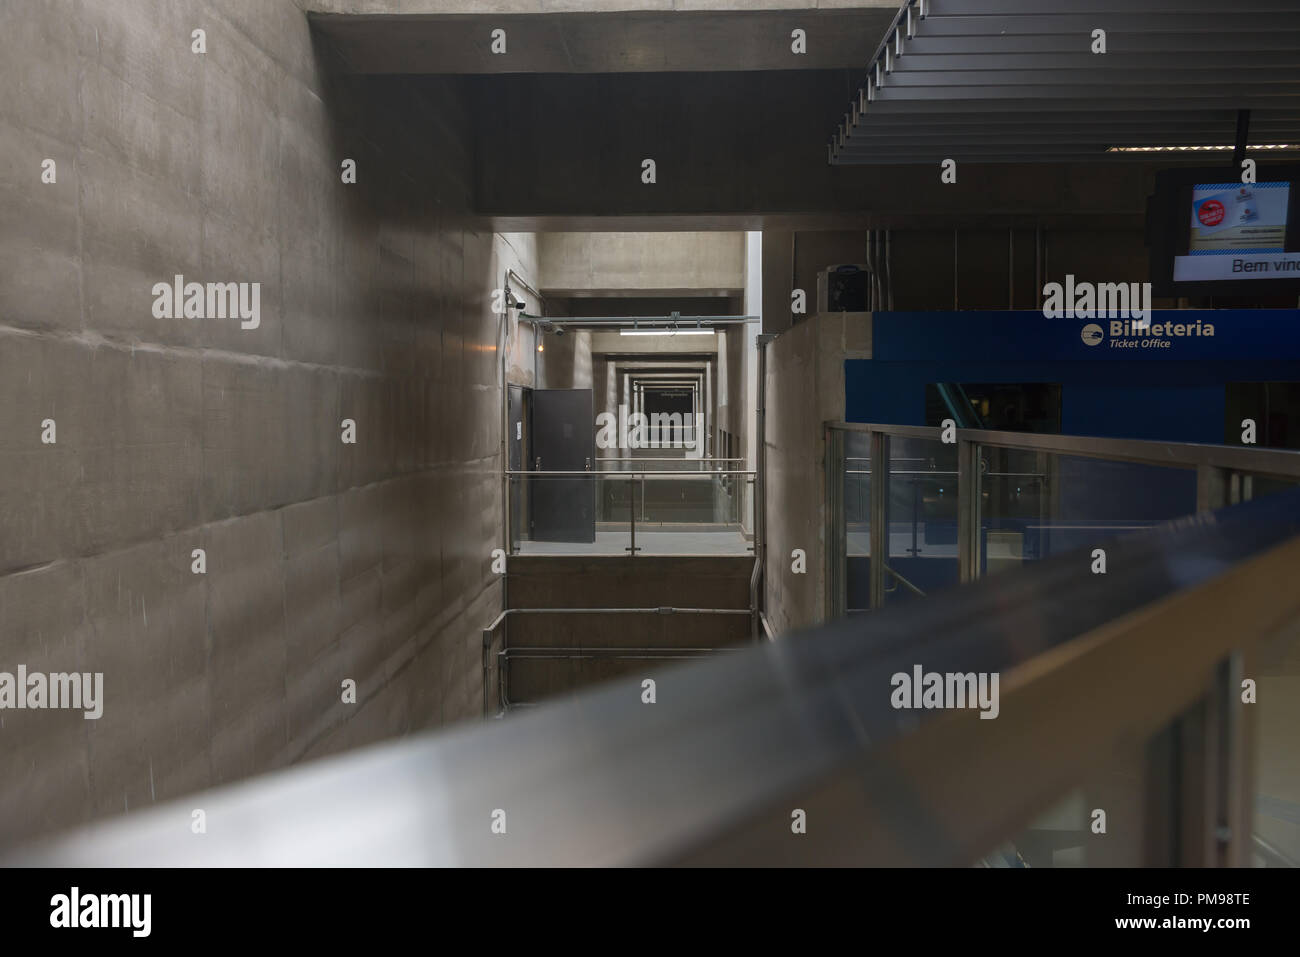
{"type": "Point", "coordinates": [1183, 334]}
{"type": "Point", "coordinates": [1163, 382]}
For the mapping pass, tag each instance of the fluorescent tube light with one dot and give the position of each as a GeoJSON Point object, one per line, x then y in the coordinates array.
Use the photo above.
{"type": "Point", "coordinates": [665, 332]}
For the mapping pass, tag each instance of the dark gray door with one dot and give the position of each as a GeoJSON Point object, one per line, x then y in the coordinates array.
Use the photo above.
{"type": "Point", "coordinates": [562, 439]}
{"type": "Point", "coordinates": [517, 445]}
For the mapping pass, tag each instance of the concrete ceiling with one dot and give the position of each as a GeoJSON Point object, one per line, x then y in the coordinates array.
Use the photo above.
{"type": "Point", "coordinates": [636, 42]}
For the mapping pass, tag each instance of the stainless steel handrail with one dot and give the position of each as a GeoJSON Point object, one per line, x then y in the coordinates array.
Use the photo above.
{"type": "Point", "coordinates": [632, 473]}
{"type": "Point", "coordinates": [503, 653]}
{"type": "Point", "coordinates": [904, 582]}
{"type": "Point", "coordinates": [1258, 461]}
{"type": "Point", "coordinates": [647, 458]}
{"type": "Point", "coordinates": [711, 773]}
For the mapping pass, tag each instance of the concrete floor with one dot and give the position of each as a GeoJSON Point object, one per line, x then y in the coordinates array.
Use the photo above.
{"type": "Point", "coordinates": [728, 541]}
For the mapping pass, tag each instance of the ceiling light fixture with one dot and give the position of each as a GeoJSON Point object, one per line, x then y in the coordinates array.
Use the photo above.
{"type": "Point", "coordinates": [666, 332]}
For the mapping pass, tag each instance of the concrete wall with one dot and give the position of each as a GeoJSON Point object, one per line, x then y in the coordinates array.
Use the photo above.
{"type": "Point", "coordinates": [324, 561]}
{"type": "Point", "coordinates": [564, 362]}
{"type": "Point", "coordinates": [753, 302]}
{"type": "Point", "coordinates": [814, 250]}
{"type": "Point", "coordinates": [1000, 268]}
{"type": "Point", "coordinates": [647, 581]}
{"type": "Point", "coordinates": [805, 388]}
{"type": "Point", "coordinates": [963, 268]}
{"type": "Point", "coordinates": [777, 258]}
{"type": "Point", "coordinates": [639, 264]}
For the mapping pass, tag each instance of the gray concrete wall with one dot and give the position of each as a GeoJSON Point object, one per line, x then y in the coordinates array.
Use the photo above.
{"type": "Point", "coordinates": [815, 250]}
{"type": "Point", "coordinates": [753, 306]}
{"type": "Point", "coordinates": [647, 581]}
{"type": "Point", "coordinates": [325, 561]}
{"type": "Point", "coordinates": [933, 269]}
{"type": "Point", "coordinates": [564, 362]}
{"type": "Point", "coordinates": [805, 388]}
{"type": "Point", "coordinates": [999, 268]}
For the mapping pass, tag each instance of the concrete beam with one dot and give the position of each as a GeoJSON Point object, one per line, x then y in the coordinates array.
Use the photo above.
{"type": "Point", "coordinates": [620, 38]}
{"type": "Point", "coordinates": [677, 264]}
{"type": "Point", "coordinates": [577, 146]}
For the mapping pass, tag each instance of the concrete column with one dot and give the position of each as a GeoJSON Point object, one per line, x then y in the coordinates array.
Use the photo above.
{"type": "Point", "coordinates": [777, 256]}
{"type": "Point", "coordinates": [708, 407]}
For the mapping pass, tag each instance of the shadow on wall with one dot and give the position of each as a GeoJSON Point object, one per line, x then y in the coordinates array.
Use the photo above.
{"type": "Point", "coordinates": [322, 562]}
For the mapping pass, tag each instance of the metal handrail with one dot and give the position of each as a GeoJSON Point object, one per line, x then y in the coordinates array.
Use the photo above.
{"type": "Point", "coordinates": [648, 458]}
{"type": "Point", "coordinates": [904, 582]}
{"type": "Point", "coordinates": [505, 651]}
{"type": "Point", "coordinates": [633, 473]}
{"type": "Point", "coordinates": [948, 472]}
{"type": "Point", "coordinates": [1257, 461]}
{"type": "Point", "coordinates": [1153, 655]}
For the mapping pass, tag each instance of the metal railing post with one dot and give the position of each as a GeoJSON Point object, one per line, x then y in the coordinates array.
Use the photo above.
{"type": "Point", "coordinates": [879, 531]}
{"type": "Point", "coordinates": [1211, 488]}
{"type": "Point", "coordinates": [968, 509]}
{"type": "Point", "coordinates": [836, 529]}
{"type": "Point", "coordinates": [631, 510]}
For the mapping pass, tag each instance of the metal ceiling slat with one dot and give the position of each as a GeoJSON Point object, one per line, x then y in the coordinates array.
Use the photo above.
{"type": "Point", "coordinates": [948, 99]}
{"type": "Point", "coordinates": [1001, 139]}
{"type": "Point", "coordinates": [936, 9]}
{"type": "Point", "coordinates": [1275, 80]}
{"type": "Point", "coordinates": [1045, 114]}
{"type": "Point", "coordinates": [1006, 78]}
{"type": "Point", "coordinates": [933, 152]}
{"type": "Point", "coordinates": [1141, 124]}
{"type": "Point", "coordinates": [1128, 22]}
{"type": "Point", "coordinates": [956, 150]}
{"type": "Point", "coordinates": [908, 159]}
{"type": "Point", "coordinates": [1245, 42]}
{"type": "Point", "coordinates": [1232, 60]}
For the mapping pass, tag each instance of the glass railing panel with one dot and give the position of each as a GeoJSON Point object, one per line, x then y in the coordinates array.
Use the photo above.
{"type": "Point", "coordinates": [1036, 504]}
{"type": "Point", "coordinates": [570, 514]}
{"type": "Point", "coordinates": [694, 514]}
{"type": "Point", "coordinates": [599, 513]}
{"type": "Point", "coordinates": [1098, 824]}
{"type": "Point", "coordinates": [1276, 831]}
{"type": "Point", "coordinates": [665, 461]}
{"type": "Point", "coordinates": [856, 493]}
{"type": "Point", "coordinates": [1256, 486]}
{"type": "Point", "coordinates": [1014, 498]}
{"type": "Point", "coordinates": [921, 516]}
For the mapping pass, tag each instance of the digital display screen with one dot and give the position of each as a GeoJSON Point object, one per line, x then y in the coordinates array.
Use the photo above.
{"type": "Point", "coordinates": [1239, 217]}
{"type": "Point", "coordinates": [1236, 231]}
